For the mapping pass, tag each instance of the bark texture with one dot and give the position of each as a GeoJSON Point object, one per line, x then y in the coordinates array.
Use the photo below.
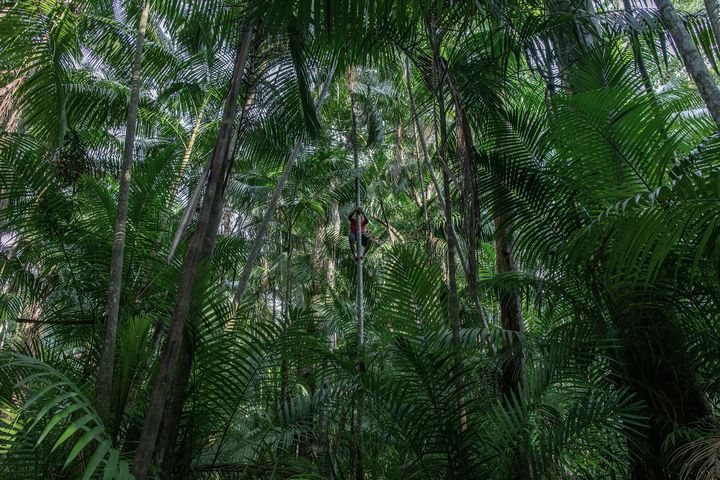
{"type": "Point", "coordinates": [469, 199]}
{"type": "Point", "coordinates": [356, 461]}
{"type": "Point", "coordinates": [512, 356]}
{"type": "Point", "coordinates": [202, 241]}
{"type": "Point", "coordinates": [107, 356]}
{"type": "Point", "coordinates": [694, 62]}
{"type": "Point", "coordinates": [713, 12]}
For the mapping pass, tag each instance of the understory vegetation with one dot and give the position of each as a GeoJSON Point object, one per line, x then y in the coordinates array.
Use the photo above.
{"type": "Point", "coordinates": [178, 295]}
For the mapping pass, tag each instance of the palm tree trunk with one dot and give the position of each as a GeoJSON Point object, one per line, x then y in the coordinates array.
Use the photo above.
{"type": "Point", "coordinates": [107, 356]}
{"type": "Point", "coordinates": [694, 63]}
{"type": "Point", "coordinates": [423, 191]}
{"type": "Point", "coordinates": [510, 312]}
{"type": "Point", "coordinates": [167, 442]}
{"type": "Point", "coordinates": [399, 154]}
{"type": "Point", "coordinates": [452, 282]}
{"type": "Point", "coordinates": [172, 459]}
{"type": "Point", "coordinates": [202, 241]}
{"type": "Point", "coordinates": [356, 447]}
{"type": "Point", "coordinates": [270, 210]}
{"type": "Point", "coordinates": [712, 8]}
{"type": "Point", "coordinates": [439, 76]}
{"type": "Point", "coordinates": [466, 156]}
{"type": "Point", "coordinates": [439, 190]}
{"type": "Point", "coordinates": [264, 224]}
{"type": "Point", "coordinates": [187, 155]}
{"type": "Point", "coordinates": [187, 216]}
{"type": "Point", "coordinates": [335, 216]}
{"type": "Point", "coordinates": [197, 191]}
{"type": "Point", "coordinates": [513, 358]}
{"type": "Point", "coordinates": [287, 306]}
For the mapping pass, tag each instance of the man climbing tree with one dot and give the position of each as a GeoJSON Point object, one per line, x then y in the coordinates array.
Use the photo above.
{"type": "Point", "coordinates": [366, 240]}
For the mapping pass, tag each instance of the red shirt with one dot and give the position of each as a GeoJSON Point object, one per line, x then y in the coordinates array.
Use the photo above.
{"type": "Point", "coordinates": [353, 223]}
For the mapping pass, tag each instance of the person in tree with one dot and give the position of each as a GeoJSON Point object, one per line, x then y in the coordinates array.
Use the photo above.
{"type": "Point", "coordinates": [366, 240]}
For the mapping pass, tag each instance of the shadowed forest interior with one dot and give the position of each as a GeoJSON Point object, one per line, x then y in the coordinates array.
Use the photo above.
{"type": "Point", "coordinates": [359, 239]}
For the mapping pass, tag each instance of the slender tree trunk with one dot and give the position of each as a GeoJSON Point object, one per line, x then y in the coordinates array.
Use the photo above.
{"type": "Point", "coordinates": [694, 63]}
{"type": "Point", "coordinates": [356, 447]}
{"type": "Point", "coordinates": [187, 216]}
{"type": "Point", "coordinates": [335, 216]}
{"type": "Point", "coordinates": [513, 359]}
{"type": "Point", "coordinates": [167, 446]}
{"type": "Point", "coordinates": [399, 154]}
{"type": "Point", "coordinates": [277, 193]}
{"type": "Point", "coordinates": [197, 191]}
{"type": "Point", "coordinates": [167, 443]}
{"type": "Point", "coordinates": [174, 460]}
{"type": "Point", "coordinates": [455, 326]}
{"type": "Point", "coordinates": [452, 284]}
{"type": "Point", "coordinates": [287, 305]}
{"type": "Point", "coordinates": [439, 190]}
{"type": "Point", "coordinates": [267, 218]}
{"type": "Point", "coordinates": [187, 155]}
{"type": "Point", "coordinates": [107, 356]}
{"type": "Point", "coordinates": [713, 10]}
{"type": "Point", "coordinates": [325, 447]}
{"type": "Point", "coordinates": [257, 244]}
{"type": "Point", "coordinates": [454, 304]}
{"type": "Point", "coordinates": [168, 437]}
{"type": "Point", "coordinates": [423, 190]}
{"type": "Point", "coordinates": [457, 455]}
{"type": "Point", "coordinates": [510, 312]}
{"type": "Point", "coordinates": [466, 156]}
{"type": "Point", "coordinates": [202, 241]}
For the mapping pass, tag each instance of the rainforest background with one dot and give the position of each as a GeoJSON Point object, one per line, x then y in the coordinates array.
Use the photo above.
{"type": "Point", "coordinates": [177, 294]}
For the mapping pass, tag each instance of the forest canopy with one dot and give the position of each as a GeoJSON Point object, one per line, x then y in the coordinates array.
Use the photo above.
{"type": "Point", "coordinates": [359, 239]}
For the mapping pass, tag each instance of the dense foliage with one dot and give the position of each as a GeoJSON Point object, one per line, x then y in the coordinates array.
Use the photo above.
{"type": "Point", "coordinates": [178, 297]}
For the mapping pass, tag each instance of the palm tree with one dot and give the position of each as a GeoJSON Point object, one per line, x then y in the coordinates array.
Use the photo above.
{"type": "Point", "coordinates": [540, 302]}
{"type": "Point", "coordinates": [200, 249]}
{"type": "Point", "coordinates": [107, 357]}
